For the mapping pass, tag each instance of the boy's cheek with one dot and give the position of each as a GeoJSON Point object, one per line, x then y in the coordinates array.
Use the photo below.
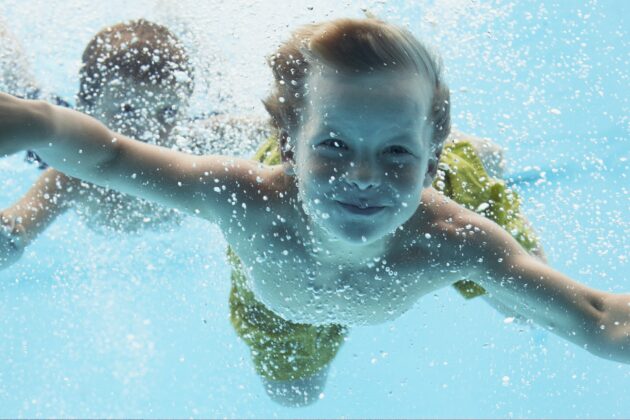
{"type": "Point", "coordinates": [319, 170]}
{"type": "Point", "coordinates": [316, 188]}
{"type": "Point", "coordinates": [407, 178]}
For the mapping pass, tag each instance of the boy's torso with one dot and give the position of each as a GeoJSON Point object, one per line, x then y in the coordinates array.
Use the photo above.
{"type": "Point", "coordinates": [296, 280]}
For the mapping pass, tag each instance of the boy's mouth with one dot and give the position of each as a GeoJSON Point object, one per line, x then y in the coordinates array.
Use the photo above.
{"type": "Point", "coordinates": [364, 210]}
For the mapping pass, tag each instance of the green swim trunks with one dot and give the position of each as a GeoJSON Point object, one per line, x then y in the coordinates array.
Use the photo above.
{"type": "Point", "coordinates": [283, 350]}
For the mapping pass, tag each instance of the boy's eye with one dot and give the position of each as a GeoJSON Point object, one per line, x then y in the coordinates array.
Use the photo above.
{"type": "Point", "coordinates": [169, 113]}
{"type": "Point", "coordinates": [127, 109]}
{"type": "Point", "coordinates": [398, 150]}
{"type": "Point", "coordinates": [335, 144]}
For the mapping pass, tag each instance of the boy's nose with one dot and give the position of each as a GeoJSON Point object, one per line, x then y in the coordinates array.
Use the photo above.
{"type": "Point", "coordinates": [362, 175]}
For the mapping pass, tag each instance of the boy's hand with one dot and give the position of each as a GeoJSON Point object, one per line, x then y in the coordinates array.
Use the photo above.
{"type": "Point", "coordinates": [23, 124]}
{"type": "Point", "coordinates": [10, 244]}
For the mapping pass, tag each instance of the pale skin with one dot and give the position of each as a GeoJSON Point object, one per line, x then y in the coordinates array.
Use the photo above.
{"type": "Point", "coordinates": [359, 248]}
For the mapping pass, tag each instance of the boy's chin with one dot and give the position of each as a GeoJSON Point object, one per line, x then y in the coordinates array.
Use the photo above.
{"type": "Point", "coordinates": [348, 232]}
{"type": "Point", "coordinates": [358, 237]}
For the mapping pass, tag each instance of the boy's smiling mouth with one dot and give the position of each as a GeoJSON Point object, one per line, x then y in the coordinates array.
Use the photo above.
{"type": "Point", "coordinates": [361, 209]}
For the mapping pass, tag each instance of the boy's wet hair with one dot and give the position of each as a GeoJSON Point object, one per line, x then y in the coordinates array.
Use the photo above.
{"type": "Point", "coordinates": [351, 46]}
{"type": "Point", "coordinates": [138, 49]}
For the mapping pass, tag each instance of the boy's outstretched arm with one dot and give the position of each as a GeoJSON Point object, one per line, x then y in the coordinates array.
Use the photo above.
{"type": "Point", "coordinates": [596, 320]}
{"type": "Point", "coordinates": [82, 147]}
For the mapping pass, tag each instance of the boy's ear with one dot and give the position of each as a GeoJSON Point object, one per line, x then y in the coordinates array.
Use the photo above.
{"type": "Point", "coordinates": [432, 168]}
{"type": "Point", "coordinates": [286, 153]}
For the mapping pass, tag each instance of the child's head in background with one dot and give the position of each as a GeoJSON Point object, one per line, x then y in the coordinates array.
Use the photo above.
{"type": "Point", "coordinates": [136, 77]}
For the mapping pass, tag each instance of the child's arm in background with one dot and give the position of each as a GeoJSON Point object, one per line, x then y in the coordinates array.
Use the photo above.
{"type": "Point", "coordinates": [82, 147]}
{"type": "Point", "coordinates": [595, 320]}
{"type": "Point", "coordinates": [27, 218]}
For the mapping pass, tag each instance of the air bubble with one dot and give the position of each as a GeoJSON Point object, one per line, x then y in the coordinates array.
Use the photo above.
{"type": "Point", "coordinates": [482, 207]}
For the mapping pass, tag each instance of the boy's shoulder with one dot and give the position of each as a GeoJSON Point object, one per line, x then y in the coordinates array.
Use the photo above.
{"type": "Point", "coordinates": [438, 215]}
{"type": "Point", "coordinates": [457, 232]}
{"type": "Point", "coordinates": [466, 238]}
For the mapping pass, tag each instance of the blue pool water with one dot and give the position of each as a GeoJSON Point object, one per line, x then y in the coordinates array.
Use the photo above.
{"type": "Point", "coordinates": [137, 326]}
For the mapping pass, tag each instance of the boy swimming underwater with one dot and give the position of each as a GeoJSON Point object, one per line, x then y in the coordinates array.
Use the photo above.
{"type": "Point", "coordinates": [347, 230]}
{"type": "Point", "coordinates": [136, 78]}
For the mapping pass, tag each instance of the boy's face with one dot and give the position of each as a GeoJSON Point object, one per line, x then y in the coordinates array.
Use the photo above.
{"type": "Point", "coordinates": [140, 110]}
{"type": "Point", "coordinates": [363, 155]}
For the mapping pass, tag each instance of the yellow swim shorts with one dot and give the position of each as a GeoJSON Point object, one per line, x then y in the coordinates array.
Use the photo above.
{"type": "Point", "coordinates": [284, 350]}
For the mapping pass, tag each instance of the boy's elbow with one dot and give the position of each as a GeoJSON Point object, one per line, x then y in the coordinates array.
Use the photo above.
{"type": "Point", "coordinates": [107, 164]}
{"type": "Point", "coordinates": [11, 245]}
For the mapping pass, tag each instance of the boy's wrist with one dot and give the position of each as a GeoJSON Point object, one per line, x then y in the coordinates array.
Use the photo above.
{"type": "Point", "coordinates": [11, 245]}
{"type": "Point", "coordinates": [11, 229]}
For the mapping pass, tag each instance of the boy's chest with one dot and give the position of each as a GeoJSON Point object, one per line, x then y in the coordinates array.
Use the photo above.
{"type": "Point", "coordinates": [302, 287]}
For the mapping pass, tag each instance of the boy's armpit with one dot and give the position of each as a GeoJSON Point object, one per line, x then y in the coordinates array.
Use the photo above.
{"type": "Point", "coordinates": [463, 178]}
{"type": "Point", "coordinates": [480, 240]}
{"type": "Point", "coordinates": [472, 240]}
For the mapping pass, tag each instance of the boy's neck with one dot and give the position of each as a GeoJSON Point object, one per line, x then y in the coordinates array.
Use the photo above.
{"type": "Point", "coordinates": [329, 249]}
